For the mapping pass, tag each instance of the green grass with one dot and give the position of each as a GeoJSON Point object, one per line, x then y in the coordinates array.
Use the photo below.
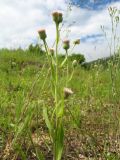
{"type": "Point", "coordinates": [91, 121]}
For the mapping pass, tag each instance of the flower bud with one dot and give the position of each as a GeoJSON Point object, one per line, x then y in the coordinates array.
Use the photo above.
{"type": "Point", "coordinates": [67, 92]}
{"type": "Point", "coordinates": [77, 42]}
{"type": "Point", "coordinates": [51, 51]}
{"type": "Point", "coordinates": [66, 44]}
{"type": "Point", "coordinates": [57, 17]}
{"type": "Point", "coordinates": [74, 63]}
{"type": "Point", "coordinates": [60, 17]}
{"type": "Point", "coordinates": [42, 34]}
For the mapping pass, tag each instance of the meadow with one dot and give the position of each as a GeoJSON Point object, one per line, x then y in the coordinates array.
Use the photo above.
{"type": "Point", "coordinates": [52, 107]}
{"type": "Point", "coordinates": [92, 113]}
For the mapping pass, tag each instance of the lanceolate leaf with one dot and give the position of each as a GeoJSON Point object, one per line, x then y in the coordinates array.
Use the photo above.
{"type": "Point", "coordinates": [59, 141]}
{"type": "Point", "coordinates": [64, 61]}
{"type": "Point", "coordinates": [47, 121]}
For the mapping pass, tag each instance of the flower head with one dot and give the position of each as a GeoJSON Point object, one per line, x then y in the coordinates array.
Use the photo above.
{"type": "Point", "coordinates": [66, 44]}
{"type": "Point", "coordinates": [74, 63]}
{"type": "Point", "coordinates": [42, 34]}
{"type": "Point", "coordinates": [51, 51]}
{"type": "Point", "coordinates": [77, 42]}
{"type": "Point", "coordinates": [67, 92]}
{"type": "Point", "coordinates": [57, 17]}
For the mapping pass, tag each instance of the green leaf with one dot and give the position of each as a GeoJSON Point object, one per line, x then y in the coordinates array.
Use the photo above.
{"type": "Point", "coordinates": [60, 109]}
{"type": "Point", "coordinates": [47, 121]}
{"type": "Point", "coordinates": [64, 61]}
{"type": "Point", "coordinates": [59, 141]}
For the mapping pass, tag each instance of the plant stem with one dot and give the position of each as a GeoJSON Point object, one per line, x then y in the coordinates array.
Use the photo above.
{"type": "Point", "coordinates": [56, 91]}
{"type": "Point", "coordinates": [67, 69]}
{"type": "Point", "coordinates": [56, 69]}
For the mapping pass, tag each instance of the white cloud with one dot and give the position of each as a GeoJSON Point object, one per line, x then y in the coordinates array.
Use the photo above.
{"type": "Point", "coordinates": [20, 20]}
{"type": "Point", "coordinates": [88, 23]}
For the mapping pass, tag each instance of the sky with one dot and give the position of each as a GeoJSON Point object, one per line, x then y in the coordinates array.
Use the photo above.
{"type": "Point", "coordinates": [20, 20]}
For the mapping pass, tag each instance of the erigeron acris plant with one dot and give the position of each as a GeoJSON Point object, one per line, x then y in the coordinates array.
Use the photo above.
{"type": "Point", "coordinates": [55, 122]}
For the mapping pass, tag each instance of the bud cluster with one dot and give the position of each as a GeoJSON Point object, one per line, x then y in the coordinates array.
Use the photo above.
{"type": "Point", "coordinates": [74, 63]}
{"type": "Point", "coordinates": [66, 44]}
{"type": "Point", "coordinates": [77, 42]}
{"type": "Point", "coordinates": [67, 92]}
{"type": "Point", "coordinates": [42, 34]}
{"type": "Point", "coordinates": [57, 17]}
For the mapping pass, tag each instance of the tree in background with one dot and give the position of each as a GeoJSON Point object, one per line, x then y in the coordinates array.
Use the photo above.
{"type": "Point", "coordinates": [79, 57]}
{"type": "Point", "coordinates": [35, 48]}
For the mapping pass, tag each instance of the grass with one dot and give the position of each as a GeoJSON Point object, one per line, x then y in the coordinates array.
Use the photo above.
{"type": "Point", "coordinates": [41, 118]}
{"type": "Point", "coordinates": [91, 118]}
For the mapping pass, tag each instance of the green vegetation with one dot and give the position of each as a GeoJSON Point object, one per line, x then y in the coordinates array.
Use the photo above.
{"type": "Point", "coordinates": [91, 118]}
{"type": "Point", "coordinates": [53, 108]}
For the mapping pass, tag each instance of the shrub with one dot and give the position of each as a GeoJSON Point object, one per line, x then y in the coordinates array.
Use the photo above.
{"type": "Point", "coordinates": [79, 57]}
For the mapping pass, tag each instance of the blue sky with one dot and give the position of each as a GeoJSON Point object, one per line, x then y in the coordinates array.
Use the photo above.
{"type": "Point", "coordinates": [92, 4]}
{"type": "Point", "coordinates": [20, 20]}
